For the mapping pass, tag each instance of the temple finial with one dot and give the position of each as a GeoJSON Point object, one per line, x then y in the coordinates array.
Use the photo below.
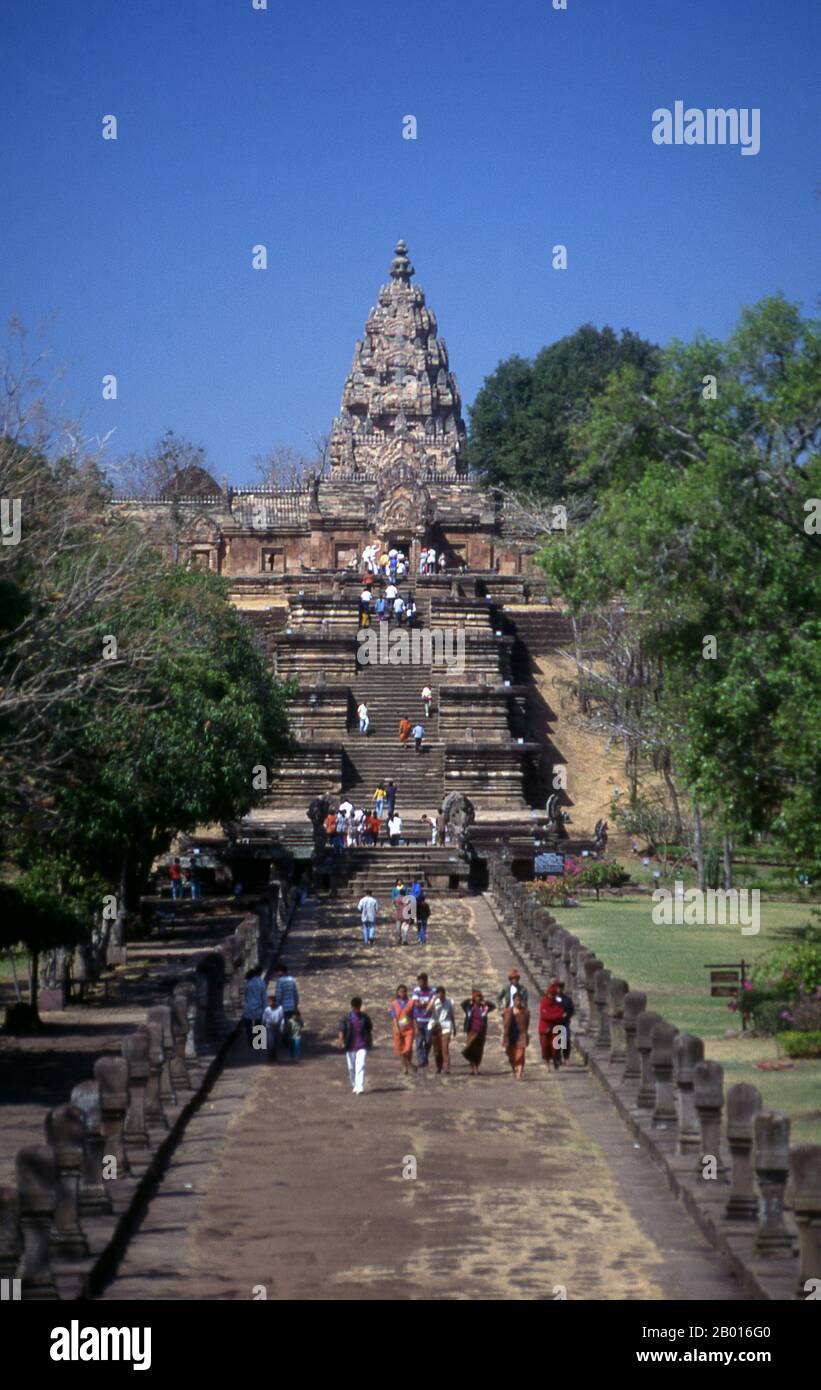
{"type": "Point", "coordinates": [401, 268]}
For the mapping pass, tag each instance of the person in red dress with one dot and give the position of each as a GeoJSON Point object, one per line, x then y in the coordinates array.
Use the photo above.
{"type": "Point", "coordinates": [551, 1017]}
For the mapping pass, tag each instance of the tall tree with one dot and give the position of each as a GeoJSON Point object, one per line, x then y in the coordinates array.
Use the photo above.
{"type": "Point", "coordinates": [521, 420]}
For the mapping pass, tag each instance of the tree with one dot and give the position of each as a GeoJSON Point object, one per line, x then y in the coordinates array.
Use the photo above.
{"type": "Point", "coordinates": [699, 530]}
{"type": "Point", "coordinates": [148, 474]}
{"type": "Point", "coordinates": [523, 416]}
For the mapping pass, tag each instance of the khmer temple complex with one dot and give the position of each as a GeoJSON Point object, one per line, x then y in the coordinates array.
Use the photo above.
{"type": "Point", "coordinates": [292, 555]}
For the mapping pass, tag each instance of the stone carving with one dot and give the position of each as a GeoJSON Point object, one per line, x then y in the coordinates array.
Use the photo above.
{"type": "Point", "coordinates": [459, 813]}
{"type": "Point", "coordinates": [398, 385]}
{"type": "Point", "coordinates": [552, 812]}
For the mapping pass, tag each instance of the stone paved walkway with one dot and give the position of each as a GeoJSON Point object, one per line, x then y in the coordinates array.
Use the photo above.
{"type": "Point", "coordinates": [287, 1186]}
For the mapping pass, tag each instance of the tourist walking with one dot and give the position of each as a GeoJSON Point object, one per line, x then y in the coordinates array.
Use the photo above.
{"type": "Point", "coordinates": [422, 919]}
{"type": "Point", "coordinates": [355, 1038]}
{"type": "Point", "coordinates": [364, 719]}
{"type": "Point", "coordinates": [551, 1017]}
{"type": "Point", "coordinates": [398, 898]}
{"type": "Point", "coordinates": [422, 998]}
{"type": "Point", "coordinates": [513, 988]}
{"type": "Point", "coordinates": [442, 1029]}
{"type": "Point", "coordinates": [427, 697]}
{"type": "Point", "coordinates": [379, 607]}
{"type": "Point", "coordinates": [476, 1010]}
{"type": "Point", "coordinates": [418, 734]}
{"type": "Point", "coordinates": [405, 727]}
{"type": "Point", "coordinates": [515, 1026]}
{"type": "Point", "coordinates": [395, 829]}
{"type": "Point", "coordinates": [368, 907]}
{"type": "Point", "coordinates": [399, 608]}
{"type": "Point", "coordinates": [569, 1009]}
{"type": "Point", "coordinates": [378, 800]}
{"type": "Point", "coordinates": [401, 1014]}
{"type": "Point", "coordinates": [254, 1004]}
{"type": "Point", "coordinates": [273, 1018]}
{"type": "Point", "coordinates": [287, 993]}
{"type": "Point", "coordinates": [391, 796]}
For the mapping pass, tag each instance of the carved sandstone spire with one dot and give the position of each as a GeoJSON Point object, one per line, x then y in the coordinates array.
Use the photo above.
{"type": "Point", "coordinates": [400, 402]}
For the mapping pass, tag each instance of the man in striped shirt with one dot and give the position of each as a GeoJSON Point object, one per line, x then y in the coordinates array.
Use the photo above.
{"type": "Point", "coordinates": [287, 995]}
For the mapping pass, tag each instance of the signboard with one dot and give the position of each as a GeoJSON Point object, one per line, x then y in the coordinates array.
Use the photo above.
{"type": "Point", "coordinates": [727, 982]}
{"type": "Point", "coordinates": [548, 864]}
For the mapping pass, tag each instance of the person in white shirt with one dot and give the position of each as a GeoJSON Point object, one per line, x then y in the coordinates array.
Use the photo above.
{"type": "Point", "coordinates": [399, 608]}
{"type": "Point", "coordinates": [431, 561]}
{"type": "Point", "coordinates": [443, 1028]}
{"type": "Point", "coordinates": [390, 592]}
{"type": "Point", "coordinates": [368, 907]}
{"type": "Point", "coordinates": [395, 828]}
{"type": "Point", "coordinates": [427, 696]}
{"type": "Point", "coordinates": [364, 720]}
{"type": "Point", "coordinates": [345, 807]}
{"type": "Point", "coordinates": [273, 1018]}
{"type": "Point", "coordinates": [431, 821]}
{"type": "Point", "coordinates": [400, 569]}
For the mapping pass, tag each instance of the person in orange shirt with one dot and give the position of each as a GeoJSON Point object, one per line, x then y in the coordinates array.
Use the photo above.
{"type": "Point", "coordinates": [405, 727]}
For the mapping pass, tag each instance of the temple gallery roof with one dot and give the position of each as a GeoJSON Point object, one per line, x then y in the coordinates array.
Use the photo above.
{"type": "Point", "coordinates": [400, 400]}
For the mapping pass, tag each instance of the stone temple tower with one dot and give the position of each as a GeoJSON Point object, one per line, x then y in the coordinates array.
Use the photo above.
{"type": "Point", "coordinates": [400, 404]}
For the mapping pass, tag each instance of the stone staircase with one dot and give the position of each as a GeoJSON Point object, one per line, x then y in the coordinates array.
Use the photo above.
{"type": "Point", "coordinates": [391, 692]}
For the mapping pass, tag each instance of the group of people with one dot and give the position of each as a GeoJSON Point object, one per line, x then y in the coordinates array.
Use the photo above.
{"type": "Point", "coordinates": [386, 605]}
{"type": "Point", "coordinates": [393, 563]}
{"type": "Point", "coordinates": [411, 911]}
{"type": "Point", "coordinates": [424, 1021]}
{"type": "Point", "coordinates": [352, 827]}
{"type": "Point", "coordinates": [271, 1014]}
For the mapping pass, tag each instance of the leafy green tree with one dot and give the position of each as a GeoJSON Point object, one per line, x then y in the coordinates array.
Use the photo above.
{"type": "Point", "coordinates": [523, 416]}
{"type": "Point", "coordinates": [699, 532]}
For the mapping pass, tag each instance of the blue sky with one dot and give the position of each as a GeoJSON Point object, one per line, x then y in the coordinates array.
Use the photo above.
{"type": "Point", "coordinates": [284, 127]}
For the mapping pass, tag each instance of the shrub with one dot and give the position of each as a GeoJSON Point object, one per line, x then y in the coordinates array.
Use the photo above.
{"type": "Point", "coordinates": [801, 1044]}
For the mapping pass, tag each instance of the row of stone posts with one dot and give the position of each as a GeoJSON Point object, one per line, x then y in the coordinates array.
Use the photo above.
{"type": "Point", "coordinates": [72, 1190]}
{"type": "Point", "coordinates": [758, 1199]}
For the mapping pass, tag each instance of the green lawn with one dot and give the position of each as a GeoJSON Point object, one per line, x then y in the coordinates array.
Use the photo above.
{"type": "Point", "coordinates": [668, 963]}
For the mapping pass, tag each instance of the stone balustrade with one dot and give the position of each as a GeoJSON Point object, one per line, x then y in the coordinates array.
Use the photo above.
{"type": "Point", "coordinates": [58, 1220]}
{"type": "Point", "coordinates": [729, 1161]}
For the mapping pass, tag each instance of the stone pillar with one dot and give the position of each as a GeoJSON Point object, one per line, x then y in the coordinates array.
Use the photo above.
{"type": "Point", "coordinates": [805, 1171]}
{"type": "Point", "coordinates": [708, 1085]}
{"type": "Point", "coordinates": [590, 966]}
{"type": "Point", "coordinates": [688, 1051]}
{"type": "Point", "coordinates": [161, 1014]}
{"type": "Point", "coordinates": [645, 1023]}
{"type": "Point", "coordinates": [154, 1113]}
{"type": "Point", "coordinates": [635, 1003]}
{"type": "Point", "coordinates": [617, 991]}
{"type": "Point", "coordinates": [772, 1168]}
{"type": "Point", "coordinates": [11, 1244]}
{"type": "Point", "coordinates": [187, 990]}
{"type": "Point", "coordinates": [112, 1077]}
{"type": "Point", "coordinates": [135, 1051]}
{"type": "Point", "coordinates": [601, 983]}
{"type": "Point", "coordinates": [227, 953]}
{"type": "Point", "coordinates": [94, 1198]}
{"type": "Point", "coordinates": [743, 1104]}
{"type": "Point", "coordinates": [65, 1132]}
{"type": "Point", "coordinates": [37, 1189]}
{"type": "Point", "coordinates": [179, 1028]}
{"type": "Point", "coordinates": [213, 967]}
{"type": "Point", "coordinates": [662, 1037]}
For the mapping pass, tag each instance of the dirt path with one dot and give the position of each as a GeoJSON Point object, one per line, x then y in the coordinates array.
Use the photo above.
{"type": "Point", "coordinates": [287, 1186]}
